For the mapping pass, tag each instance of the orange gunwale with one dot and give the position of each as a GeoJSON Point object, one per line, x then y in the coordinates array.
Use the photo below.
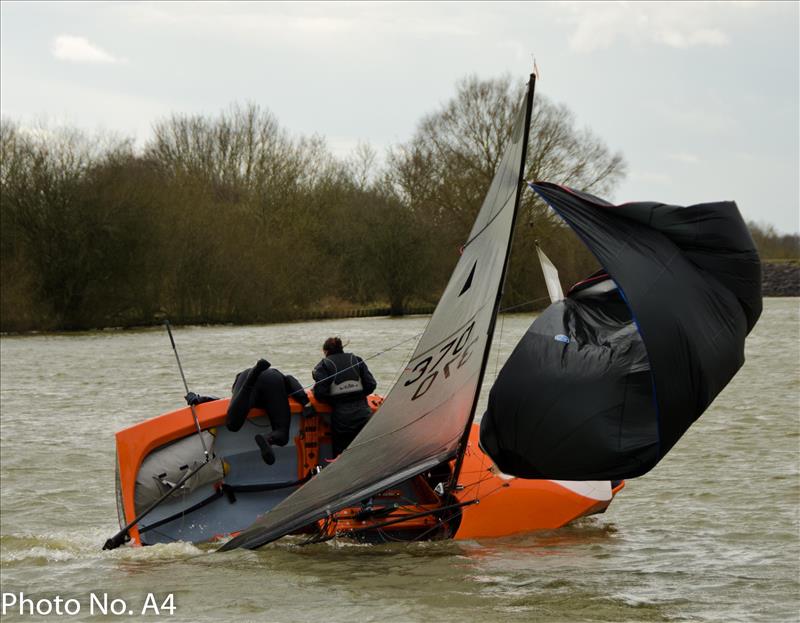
{"type": "Point", "coordinates": [506, 505]}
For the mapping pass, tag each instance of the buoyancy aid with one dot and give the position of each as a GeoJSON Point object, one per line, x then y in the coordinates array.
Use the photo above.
{"type": "Point", "coordinates": [347, 377]}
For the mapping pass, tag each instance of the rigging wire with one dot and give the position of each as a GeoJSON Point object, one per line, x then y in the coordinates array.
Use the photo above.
{"type": "Point", "coordinates": [407, 359]}
{"type": "Point", "coordinates": [478, 482]}
{"type": "Point", "coordinates": [531, 302]}
{"type": "Point", "coordinates": [405, 341]}
{"type": "Point", "coordinates": [439, 524]}
{"type": "Point", "coordinates": [321, 536]}
{"type": "Point", "coordinates": [499, 346]}
{"type": "Point", "coordinates": [495, 490]}
{"type": "Point", "coordinates": [355, 365]}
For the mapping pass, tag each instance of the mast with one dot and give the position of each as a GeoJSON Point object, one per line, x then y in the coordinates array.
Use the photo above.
{"type": "Point", "coordinates": [422, 420]}
{"type": "Point", "coordinates": [462, 446]}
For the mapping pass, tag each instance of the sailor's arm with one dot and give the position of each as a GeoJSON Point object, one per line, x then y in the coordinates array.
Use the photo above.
{"type": "Point", "coordinates": [367, 380]}
{"type": "Point", "coordinates": [295, 390]}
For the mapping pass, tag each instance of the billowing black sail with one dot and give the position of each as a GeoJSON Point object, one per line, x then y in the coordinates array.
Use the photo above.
{"type": "Point", "coordinates": [424, 417]}
{"type": "Point", "coordinates": [607, 380]}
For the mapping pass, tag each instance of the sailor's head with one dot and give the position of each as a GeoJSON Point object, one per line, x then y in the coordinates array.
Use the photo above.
{"type": "Point", "coordinates": [332, 346]}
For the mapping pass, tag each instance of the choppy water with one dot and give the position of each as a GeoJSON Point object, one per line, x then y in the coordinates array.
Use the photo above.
{"type": "Point", "coordinates": [712, 534]}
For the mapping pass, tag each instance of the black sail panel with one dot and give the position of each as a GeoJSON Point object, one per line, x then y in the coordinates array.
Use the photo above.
{"type": "Point", "coordinates": [636, 365]}
{"type": "Point", "coordinates": [423, 418]}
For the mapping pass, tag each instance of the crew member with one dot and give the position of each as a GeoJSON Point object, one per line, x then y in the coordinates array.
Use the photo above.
{"type": "Point", "coordinates": [343, 381]}
{"type": "Point", "coordinates": [264, 387]}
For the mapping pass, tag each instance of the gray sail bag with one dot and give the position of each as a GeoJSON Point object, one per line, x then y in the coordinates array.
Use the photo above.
{"type": "Point", "coordinates": [164, 467]}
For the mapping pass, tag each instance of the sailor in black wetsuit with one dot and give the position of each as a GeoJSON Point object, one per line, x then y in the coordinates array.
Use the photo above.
{"type": "Point", "coordinates": [263, 387]}
{"type": "Point", "coordinates": [344, 382]}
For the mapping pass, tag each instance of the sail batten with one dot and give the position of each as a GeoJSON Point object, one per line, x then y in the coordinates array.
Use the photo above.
{"type": "Point", "coordinates": [425, 417]}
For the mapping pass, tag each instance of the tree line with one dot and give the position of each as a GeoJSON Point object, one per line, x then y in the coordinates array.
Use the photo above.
{"type": "Point", "coordinates": [229, 218]}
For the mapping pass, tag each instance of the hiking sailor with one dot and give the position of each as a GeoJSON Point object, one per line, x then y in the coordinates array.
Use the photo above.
{"type": "Point", "coordinates": [264, 387]}
{"type": "Point", "coordinates": [343, 381]}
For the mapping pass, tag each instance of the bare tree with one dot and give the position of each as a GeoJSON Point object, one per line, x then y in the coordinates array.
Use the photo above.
{"type": "Point", "coordinates": [362, 165]}
{"type": "Point", "coordinates": [461, 145]}
{"type": "Point", "coordinates": [772, 244]}
{"type": "Point", "coordinates": [47, 217]}
{"type": "Point", "coordinates": [243, 153]}
{"type": "Point", "coordinates": [443, 172]}
{"type": "Point", "coordinates": [229, 218]}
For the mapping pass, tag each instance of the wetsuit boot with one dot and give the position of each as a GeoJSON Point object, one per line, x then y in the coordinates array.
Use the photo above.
{"type": "Point", "coordinates": [267, 453]}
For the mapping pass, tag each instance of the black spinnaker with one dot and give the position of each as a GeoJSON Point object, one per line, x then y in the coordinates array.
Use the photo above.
{"type": "Point", "coordinates": [607, 380]}
{"type": "Point", "coordinates": [425, 416]}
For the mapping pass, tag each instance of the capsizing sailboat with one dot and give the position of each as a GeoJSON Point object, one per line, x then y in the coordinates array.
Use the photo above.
{"type": "Point", "coordinates": [415, 471]}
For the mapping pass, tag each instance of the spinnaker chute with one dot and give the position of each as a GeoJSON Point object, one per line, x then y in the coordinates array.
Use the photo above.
{"type": "Point", "coordinates": [606, 381]}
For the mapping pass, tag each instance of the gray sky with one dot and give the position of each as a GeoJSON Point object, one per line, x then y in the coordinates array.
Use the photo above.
{"type": "Point", "coordinates": [702, 98]}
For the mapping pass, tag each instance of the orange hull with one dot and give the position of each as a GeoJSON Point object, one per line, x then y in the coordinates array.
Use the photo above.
{"type": "Point", "coordinates": [513, 505]}
{"type": "Point", "coordinates": [506, 505]}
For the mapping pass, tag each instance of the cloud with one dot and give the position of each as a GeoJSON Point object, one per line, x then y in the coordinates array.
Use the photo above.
{"type": "Point", "coordinates": [677, 25]}
{"type": "Point", "coordinates": [692, 37]}
{"type": "Point", "coordinates": [80, 50]}
{"type": "Point", "coordinates": [300, 22]}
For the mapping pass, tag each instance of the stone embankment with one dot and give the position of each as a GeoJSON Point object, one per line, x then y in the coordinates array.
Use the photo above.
{"type": "Point", "coordinates": [780, 278]}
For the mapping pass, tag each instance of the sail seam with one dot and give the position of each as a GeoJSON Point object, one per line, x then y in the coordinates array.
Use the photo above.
{"type": "Point", "coordinates": [489, 223]}
{"type": "Point", "coordinates": [416, 356]}
{"type": "Point", "coordinates": [406, 425]}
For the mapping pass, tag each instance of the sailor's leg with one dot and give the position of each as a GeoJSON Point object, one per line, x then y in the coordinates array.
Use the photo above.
{"type": "Point", "coordinates": [340, 440]}
{"type": "Point", "coordinates": [239, 405]}
{"type": "Point", "coordinates": [267, 454]}
{"type": "Point", "coordinates": [271, 395]}
{"type": "Point", "coordinates": [242, 394]}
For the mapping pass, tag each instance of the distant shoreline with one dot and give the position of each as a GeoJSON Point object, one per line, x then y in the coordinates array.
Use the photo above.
{"type": "Point", "coordinates": [780, 278]}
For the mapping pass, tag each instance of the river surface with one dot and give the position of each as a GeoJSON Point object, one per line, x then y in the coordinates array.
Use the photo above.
{"type": "Point", "coordinates": [711, 534]}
